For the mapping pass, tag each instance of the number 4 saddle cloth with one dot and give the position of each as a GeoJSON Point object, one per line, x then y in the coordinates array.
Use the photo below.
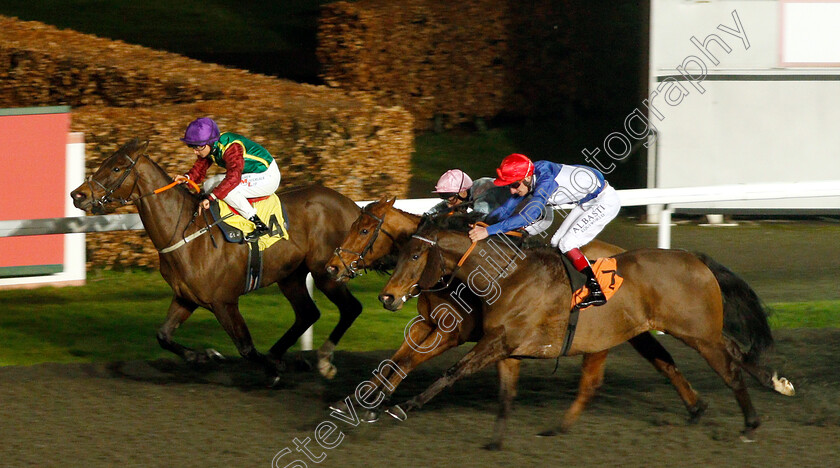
{"type": "Point", "coordinates": [607, 275]}
{"type": "Point", "coordinates": [269, 210]}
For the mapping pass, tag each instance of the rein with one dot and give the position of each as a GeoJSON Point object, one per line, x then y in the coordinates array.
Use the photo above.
{"type": "Point", "coordinates": [461, 262]}
{"type": "Point", "coordinates": [106, 198]}
{"type": "Point", "coordinates": [353, 267]}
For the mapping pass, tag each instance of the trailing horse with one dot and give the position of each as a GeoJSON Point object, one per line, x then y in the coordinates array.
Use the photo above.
{"type": "Point", "coordinates": [210, 273]}
{"type": "Point", "coordinates": [381, 229]}
{"type": "Point", "coordinates": [668, 290]}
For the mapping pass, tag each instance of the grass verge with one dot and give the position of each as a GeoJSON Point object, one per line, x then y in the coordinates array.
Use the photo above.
{"type": "Point", "coordinates": [116, 315]}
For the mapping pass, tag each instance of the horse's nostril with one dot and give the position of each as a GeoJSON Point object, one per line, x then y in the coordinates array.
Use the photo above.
{"type": "Point", "coordinates": [386, 299]}
{"type": "Point", "coordinates": [77, 195]}
{"type": "Point", "coordinates": [331, 269]}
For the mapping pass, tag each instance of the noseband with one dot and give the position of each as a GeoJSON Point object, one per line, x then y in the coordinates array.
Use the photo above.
{"type": "Point", "coordinates": [353, 267]}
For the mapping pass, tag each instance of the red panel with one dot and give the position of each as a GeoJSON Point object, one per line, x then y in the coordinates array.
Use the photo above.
{"type": "Point", "coordinates": [32, 157]}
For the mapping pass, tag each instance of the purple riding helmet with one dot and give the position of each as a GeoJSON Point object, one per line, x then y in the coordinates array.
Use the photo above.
{"type": "Point", "coordinates": [202, 131]}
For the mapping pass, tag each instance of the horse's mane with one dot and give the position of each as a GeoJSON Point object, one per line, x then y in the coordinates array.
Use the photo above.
{"type": "Point", "coordinates": [460, 222]}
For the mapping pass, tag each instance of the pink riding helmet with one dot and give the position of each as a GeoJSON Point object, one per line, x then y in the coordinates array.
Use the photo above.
{"type": "Point", "coordinates": [453, 181]}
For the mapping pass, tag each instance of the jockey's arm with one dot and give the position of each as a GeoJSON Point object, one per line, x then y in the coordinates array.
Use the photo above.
{"type": "Point", "coordinates": [234, 162]}
{"type": "Point", "coordinates": [198, 170]}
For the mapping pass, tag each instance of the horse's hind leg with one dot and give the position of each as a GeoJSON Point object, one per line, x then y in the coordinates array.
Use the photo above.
{"type": "Point", "coordinates": [231, 320]}
{"type": "Point", "coordinates": [727, 366]}
{"type": "Point", "coordinates": [592, 376]}
{"type": "Point", "coordinates": [349, 309]}
{"type": "Point", "coordinates": [763, 375]}
{"type": "Point", "coordinates": [180, 310]}
{"type": "Point", "coordinates": [508, 378]}
{"type": "Point", "coordinates": [306, 312]}
{"type": "Point", "coordinates": [648, 346]}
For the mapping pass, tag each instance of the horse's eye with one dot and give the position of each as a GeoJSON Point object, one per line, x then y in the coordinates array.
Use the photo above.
{"type": "Point", "coordinates": [364, 232]}
{"type": "Point", "coordinates": [415, 257]}
{"type": "Point", "coordinates": [116, 169]}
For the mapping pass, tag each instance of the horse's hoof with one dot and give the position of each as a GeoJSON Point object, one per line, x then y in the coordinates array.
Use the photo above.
{"type": "Point", "coordinates": [327, 369]}
{"type": "Point", "coordinates": [549, 433]}
{"type": "Point", "coordinates": [783, 385]}
{"type": "Point", "coordinates": [698, 411]}
{"type": "Point", "coordinates": [340, 407]}
{"type": "Point", "coordinates": [214, 355]}
{"type": "Point", "coordinates": [397, 413]}
{"type": "Point", "coordinates": [276, 382]}
{"type": "Point", "coordinates": [493, 446]}
{"type": "Point", "coordinates": [369, 416]}
{"type": "Point", "coordinates": [747, 436]}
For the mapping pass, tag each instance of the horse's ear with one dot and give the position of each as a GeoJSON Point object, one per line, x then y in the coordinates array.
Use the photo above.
{"type": "Point", "coordinates": [142, 146]}
{"type": "Point", "coordinates": [390, 201]}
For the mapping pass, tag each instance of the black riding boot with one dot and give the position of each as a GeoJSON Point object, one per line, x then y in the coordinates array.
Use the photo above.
{"type": "Point", "coordinates": [259, 229]}
{"type": "Point", "coordinates": [596, 295]}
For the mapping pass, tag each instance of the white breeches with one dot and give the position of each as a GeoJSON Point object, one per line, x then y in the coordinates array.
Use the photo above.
{"type": "Point", "coordinates": [253, 185]}
{"type": "Point", "coordinates": [586, 221]}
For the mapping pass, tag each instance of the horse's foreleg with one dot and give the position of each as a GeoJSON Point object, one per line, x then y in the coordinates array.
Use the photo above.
{"type": "Point", "coordinates": [180, 310]}
{"type": "Point", "coordinates": [592, 376]}
{"type": "Point", "coordinates": [349, 308]}
{"type": "Point", "coordinates": [234, 325]}
{"type": "Point", "coordinates": [652, 350]}
{"type": "Point", "coordinates": [508, 378]}
{"type": "Point", "coordinates": [490, 348]}
{"type": "Point", "coordinates": [422, 343]}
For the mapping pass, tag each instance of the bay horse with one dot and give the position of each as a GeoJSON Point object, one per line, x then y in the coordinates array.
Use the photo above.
{"type": "Point", "coordinates": [380, 229]}
{"type": "Point", "coordinates": [210, 272]}
{"type": "Point", "coordinates": [688, 296]}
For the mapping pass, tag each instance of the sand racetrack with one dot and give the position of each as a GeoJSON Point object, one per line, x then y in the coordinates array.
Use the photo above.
{"type": "Point", "coordinates": [164, 413]}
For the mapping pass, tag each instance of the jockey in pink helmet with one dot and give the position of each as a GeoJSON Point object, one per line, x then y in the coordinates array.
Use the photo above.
{"type": "Point", "coordinates": [595, 202]}
{"type": "Point", "coordinates": [251, 171]}
{"type": "Point", "coordinates": [459, 192]}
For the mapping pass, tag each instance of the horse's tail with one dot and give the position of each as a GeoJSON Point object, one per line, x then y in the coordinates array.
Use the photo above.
{"type": "Point", "coordinates": [744, 315]}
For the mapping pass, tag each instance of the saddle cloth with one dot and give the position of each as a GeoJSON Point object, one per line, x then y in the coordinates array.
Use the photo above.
{"type": "Point", "coordinates": [269, 210]}
{"type": "Point", "coordinates": [606, 273]}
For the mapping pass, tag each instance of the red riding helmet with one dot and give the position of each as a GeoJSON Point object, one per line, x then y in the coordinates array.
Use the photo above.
{"type": "Point", "coordinates": [514, 168]}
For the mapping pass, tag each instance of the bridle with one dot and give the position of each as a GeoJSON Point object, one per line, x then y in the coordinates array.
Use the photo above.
{"type": "Point", "coordinates": [434, 244]}
{"type": "Point", "coordinates": [106, 197]}
{"type": "Point", "coordinates": [353, 267]}
{"type": "Point", "coordinates": [415, 290]}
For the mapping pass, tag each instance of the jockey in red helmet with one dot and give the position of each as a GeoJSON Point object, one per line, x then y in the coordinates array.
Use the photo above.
{"type": "Point", "coordinates": [251, 170]}
{"type": "Point", "coordinates": [596, 204]}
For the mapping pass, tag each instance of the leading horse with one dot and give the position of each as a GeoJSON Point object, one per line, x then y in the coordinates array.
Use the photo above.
{"type": "Point", "coordinates": [381, 229]}
{"type": "Point", "coordinates": [688, 296]}
{"type": "Point", "coordinates": [210, 272]}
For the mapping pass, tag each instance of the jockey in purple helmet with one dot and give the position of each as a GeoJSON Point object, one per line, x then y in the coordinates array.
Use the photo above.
{"type": "Point", "coordinates": [251, 170]}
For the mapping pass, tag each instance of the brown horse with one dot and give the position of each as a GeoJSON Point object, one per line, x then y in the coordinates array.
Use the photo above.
{"type": "Point", "coordinates": [669, 290]}
{"type": "Point", "coordinates": [210, 272]}
{"type": "Point", "coordinates": [380, 228]}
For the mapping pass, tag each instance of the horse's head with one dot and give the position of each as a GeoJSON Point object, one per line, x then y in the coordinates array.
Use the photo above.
{"type": "Point", "coordinates": [363, 244]}
{"type": "Point", "coordinates": [421, 264]}
{"type": "Point", "coordinates": [113, 181]}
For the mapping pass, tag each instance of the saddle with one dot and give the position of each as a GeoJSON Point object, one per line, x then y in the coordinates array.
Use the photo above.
{"type": "Point", "coordinates": [233, 225]}
{"type": "Point", "coordinates": [606, 273]}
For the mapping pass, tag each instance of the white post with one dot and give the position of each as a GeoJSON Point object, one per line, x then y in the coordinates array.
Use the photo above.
{"type": "Point", "coordinates": [664, 234]}
{"type": "Point", "coordinates": [306, 338]}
